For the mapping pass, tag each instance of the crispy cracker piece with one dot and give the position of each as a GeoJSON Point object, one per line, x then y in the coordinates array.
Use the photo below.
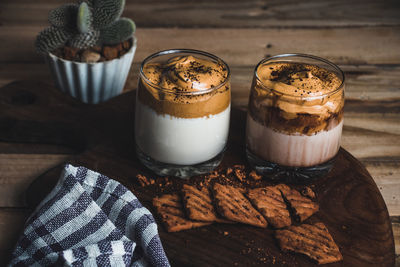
{"type": "Point", "coordinates": [269, 202]}
{"type": "Point", "coordinates": [198, 204]}
{"type": "Point", "coordinates": [233, 205]}
{"type": "Point", "coordinates": [312, 240]}
{"type": "Point", "coordinates": [253, 175]}
{"type": "Point", "coordinates": [302, 207]}
{"type": "Point", "coordinates": [239, 172]}
{"type": "Point", "coordinates": [170, 209]}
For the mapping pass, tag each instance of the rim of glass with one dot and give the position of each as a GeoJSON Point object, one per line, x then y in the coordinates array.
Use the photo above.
{"type": "Point", "coordinates": [189, 51]}
{"type": "Point", "coordinates": [283, 56]}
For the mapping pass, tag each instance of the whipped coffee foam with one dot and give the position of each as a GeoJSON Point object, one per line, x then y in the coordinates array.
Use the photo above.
{"type": "Point", "coordinates": [185, 86]}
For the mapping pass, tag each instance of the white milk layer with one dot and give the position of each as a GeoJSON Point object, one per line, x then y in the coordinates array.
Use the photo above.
{"type": "Point", "coordinates": [292, 150]}
{"type": "Point", "coordinates": [181, 141]}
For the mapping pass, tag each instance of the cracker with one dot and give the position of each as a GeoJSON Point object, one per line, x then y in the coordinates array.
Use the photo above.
{"type": "Point", "coordinates": [302, 207]}
{"type": "Point", "coordinates": [233, 205]}
{"type": "Point", "coordinates": [270, 203]}
{"type": "Point", "coordinates": [313, 240]}
{"type": "Point", "coordinates": [198, 204]}
{"type": "Point", "coordinates": [170, 209]}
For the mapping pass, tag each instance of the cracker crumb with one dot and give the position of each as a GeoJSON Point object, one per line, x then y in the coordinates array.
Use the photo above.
{"type": "Point", "coordinates": [143, 181]}
{"type": "Point", "coordinates": [239, 166]}
{"type": "Point", "coordinates": [239, 173]}
{"type": "Point", "coordinates": [308, 192]}
{"type": "Point", "coordinates": [253, 175]}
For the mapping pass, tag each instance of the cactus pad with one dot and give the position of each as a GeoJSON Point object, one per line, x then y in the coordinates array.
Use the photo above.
{"type": "Point", "coordinates": [64, 16]}
{"type": "Point", "coordinates": [51, 38]}
{"type": "Point", "coordinates": [119, 31]}
{"type": "Point", "coordinates": [84, 18]}
{"type": "Point", "coordinates": [106, 12]}
{"type": "Point", "coordinates": [85, 40]}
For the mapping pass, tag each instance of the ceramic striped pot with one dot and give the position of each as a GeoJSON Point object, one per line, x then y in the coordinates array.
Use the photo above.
{"type": "Point", "coordinates": [92, 83]}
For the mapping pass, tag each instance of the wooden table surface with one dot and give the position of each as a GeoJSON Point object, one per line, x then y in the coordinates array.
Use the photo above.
{"type": "Point", "coordinates": [362, 37]}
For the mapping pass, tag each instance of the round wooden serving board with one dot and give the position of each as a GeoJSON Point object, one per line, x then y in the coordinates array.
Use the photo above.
{"type": "Point", "coordinates": [101, 138]}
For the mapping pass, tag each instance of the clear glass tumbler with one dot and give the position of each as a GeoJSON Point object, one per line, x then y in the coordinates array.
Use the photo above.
{"type": "Point", "coordinates": [182, 112]}
{"type": "Point", "coordinates": [295, 117]}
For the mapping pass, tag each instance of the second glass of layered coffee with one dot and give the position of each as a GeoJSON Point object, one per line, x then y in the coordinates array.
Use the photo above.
{"type": "Point", "coordinates": [295, 117]}
{"type": "Point", "coordinates": [182, 112]}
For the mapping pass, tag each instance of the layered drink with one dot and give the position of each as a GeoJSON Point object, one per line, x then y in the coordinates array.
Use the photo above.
{"type": "Point", "coordinates": [182, 112]}
{"type": "Point", "coordinates": [295, 117]}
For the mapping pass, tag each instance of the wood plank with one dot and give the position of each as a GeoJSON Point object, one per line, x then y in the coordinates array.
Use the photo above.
{"type": "Point", "coordinates": [363, 82]}
{"type": "Point", "coordinates": [386, 174]}
{"type": "Point", "coordinates": [241, 47]}
{"type": "Point", "coordinates": [366, 143]}
{"type": "Point", "coordinates": [11, 225]}
{"type": "Point", "coordinates": [30, 148]}
{"type": "Point", "coordinates": [17, 171]}
{"type": "Point", "coordinates": [237, 14]}
{"type": "Point", "coordinates": [372, 92]}
{"type": "Point", "coordinates": [396, 233]}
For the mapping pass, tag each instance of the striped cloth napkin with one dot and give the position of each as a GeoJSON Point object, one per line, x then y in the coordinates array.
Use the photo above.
{"type": "Point", "coordinates": [89, 220]}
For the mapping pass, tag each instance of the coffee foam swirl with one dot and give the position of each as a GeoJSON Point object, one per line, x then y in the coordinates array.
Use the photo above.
{"type": "Point", "coordinates": [185, 87]}
{"type": "Point", "coordinates": [296, 98]}
{"type": "Point", "coordinates": [301, 88]}
{"type": "Point", "coordinates": [186, 74]}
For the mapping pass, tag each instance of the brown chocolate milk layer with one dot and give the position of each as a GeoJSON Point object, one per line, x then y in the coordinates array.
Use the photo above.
{"type": "Point", "coordinates": [185, 87]}
{"type": "Point", "coordinates": [296, 98]}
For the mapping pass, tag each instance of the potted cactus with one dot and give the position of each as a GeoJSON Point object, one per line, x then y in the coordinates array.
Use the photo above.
{"type": "Point", "coordinates": [89, 48]}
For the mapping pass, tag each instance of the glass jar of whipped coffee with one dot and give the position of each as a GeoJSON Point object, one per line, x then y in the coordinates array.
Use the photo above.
{"type": "Point", "coordinates": [295, 117]}
{"type": "Point", "coordinates": [182, 112]}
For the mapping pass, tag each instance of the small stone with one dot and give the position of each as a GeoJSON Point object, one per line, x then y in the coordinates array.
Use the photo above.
{"type": "Point", "coordinates": [110, 52]}
{"type": "Point", "coordinates": [119, 47]}
{"type": "Point", "coordinates": [59, 52]}
{"type": "Point", "coordinates": [89, 56]}
{"type": "Point", "coordinates": [126, 44]}
{"type": "Point", "coordinates": [96, 48]}
{"type": "Point", "coordinates": [70, 53]}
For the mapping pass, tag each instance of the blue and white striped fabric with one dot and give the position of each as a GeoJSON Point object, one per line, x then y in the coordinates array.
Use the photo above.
{"type": "Point", "coordinates": [89, 220]}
